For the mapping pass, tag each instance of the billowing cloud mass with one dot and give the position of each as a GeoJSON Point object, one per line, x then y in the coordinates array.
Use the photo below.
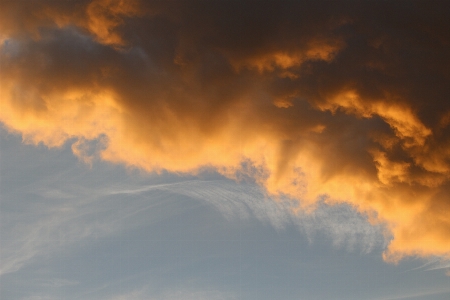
{"type": "Point", "coordinates": [344, 100]}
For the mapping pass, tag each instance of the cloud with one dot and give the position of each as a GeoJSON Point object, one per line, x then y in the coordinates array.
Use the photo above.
{"type": "Point", "coordinates": [75, 213]}
{"type": "Point", "coordinates": [176, 293]}
{"type": "Point", "coordinates": [55, 282]}
{"type": "Point", "coordinates": [434, 264]}
{"type": "Point", "coordinates": [340, 223]}
{"type": "Point", "coordinates": [311, 101]}
{"type": "Point", "coordinates": [416, 294]}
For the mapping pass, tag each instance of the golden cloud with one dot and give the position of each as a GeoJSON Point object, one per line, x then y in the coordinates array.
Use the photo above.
{"type": "Point", "coordinates": [293, 101]}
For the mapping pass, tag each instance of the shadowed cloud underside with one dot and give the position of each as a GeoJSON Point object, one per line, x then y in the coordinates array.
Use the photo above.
{"type": "Point", "coordinates": [311, 100]}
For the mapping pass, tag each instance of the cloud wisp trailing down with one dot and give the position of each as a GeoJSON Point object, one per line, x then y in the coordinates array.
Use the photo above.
{"type": "Point", "coordinates": [344, 226]}
{"type": "Point", "coordinates": [310, 100]}
{"type": "Point", "coordinates": [75, 215]}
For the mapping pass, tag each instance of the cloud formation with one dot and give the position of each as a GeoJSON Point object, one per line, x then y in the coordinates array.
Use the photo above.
{"type": "Point", "coordinates": [234, 202]}
{"type": "Point", "coordinates": [344, 100]}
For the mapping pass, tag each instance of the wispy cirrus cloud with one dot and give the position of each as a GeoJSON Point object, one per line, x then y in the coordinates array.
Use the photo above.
{"type": "Point", "coordinates": [434, 264]}
{"type": "Point", "coordinates": [344, 226]}
{"type": "Point", "coordinates": [178, 293]}
{"type": "Point", "coordinates": [417, 294]}
{"type": "Point", "coordinates": [87, 216]}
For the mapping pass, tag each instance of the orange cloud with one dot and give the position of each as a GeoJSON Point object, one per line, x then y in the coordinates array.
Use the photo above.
{"type": "Point", "coordinates": [100, 17]}
{"type": "Point", "coordinates": [323, 50]}
{"type": "Point", "coordinates": [104, 16]}
{"type": "Point", "coordinates": [302, 111]}
{"type": "Point", "coordinates": [400, 117]}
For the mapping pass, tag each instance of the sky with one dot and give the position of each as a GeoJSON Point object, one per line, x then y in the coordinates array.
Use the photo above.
{"type": "Point", "coordinates": [224, 149]}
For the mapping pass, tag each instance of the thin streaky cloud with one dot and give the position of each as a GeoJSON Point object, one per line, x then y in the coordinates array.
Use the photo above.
{"type": "Point", "coordinates": [424, 266]}
{"type": "Point", "coordinates": [344, 226]}
{"type": "Point", "coordinates": [175, 293]}
{"type": "Point", "coordinates": [436, 263]}
{"type": "Point", "coordinates": [418, 294]}
{"type": "Point", "coordinates": [145, 188]}
{"type": "Point", "coordinates": [69, 222]}
{"type": "Point", "coordinates": [442, 264]}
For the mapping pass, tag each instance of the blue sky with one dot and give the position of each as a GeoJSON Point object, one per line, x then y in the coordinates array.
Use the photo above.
{"type": "Point", "coordinates": [74, 231]}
